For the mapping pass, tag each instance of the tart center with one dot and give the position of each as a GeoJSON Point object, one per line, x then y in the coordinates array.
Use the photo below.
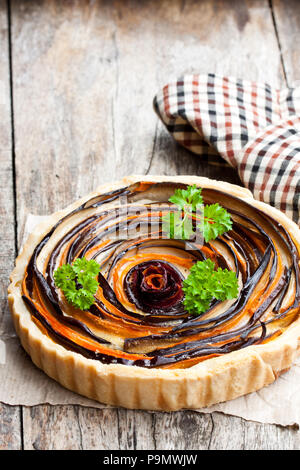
{"type": "Point", "coordinates": [154, 287]}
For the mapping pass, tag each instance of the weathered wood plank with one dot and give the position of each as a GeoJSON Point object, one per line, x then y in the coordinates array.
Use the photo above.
{"type": "Point", "coordinates": [10, 435]}
{"type": "Point", "coordinates": [182, 430]}
{"type": "Point", "coordinates": [287, 18]}
{"type": "Point", "coordinates": [99, 428]}
{"type": "Point", "coordinates": [232, 433]}
{"type": "Point", "coordinates": [10, 427]}
{"type": "Point", "coordinates": [85, 75]}
{"type": "Point", "coordinates": [136, 430]}
{"type": "Point", "coordinates": [51, 427]}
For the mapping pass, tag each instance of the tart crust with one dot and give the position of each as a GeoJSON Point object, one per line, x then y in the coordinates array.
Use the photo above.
{"type": "Point", "coordinates": [215, 380]}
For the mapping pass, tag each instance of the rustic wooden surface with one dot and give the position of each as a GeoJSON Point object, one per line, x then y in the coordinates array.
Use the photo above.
{"type": "Point", "coordinates": [77, 80]}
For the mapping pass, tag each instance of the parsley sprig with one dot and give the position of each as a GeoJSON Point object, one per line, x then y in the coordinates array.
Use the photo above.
{"type": "Point", "coordinates": [211, 220]}
{"type": "Point", "coordinates": [204, 284]}
{"type": "Point", "coordinates": [78, 282]}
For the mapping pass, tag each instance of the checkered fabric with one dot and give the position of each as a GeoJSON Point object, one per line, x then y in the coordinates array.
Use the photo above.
{"type": "Point", "coordinates": [253, 126]}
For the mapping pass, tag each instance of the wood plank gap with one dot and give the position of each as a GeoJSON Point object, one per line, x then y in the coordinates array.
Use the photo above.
{"type": "Point", "coordinates": [212, 430]}
{"type": "Point", "coordinates": [153, 149]}
{"type": "Point", "coordinates": [153, 430]}
{"type": "Point", "coordinates": [21, 426]}
{"type": "Point", "coordinates": [119, 429]}
{"type": "Point", "coordinates": [278, 42]}
{"type": "Point", "coordinates": [13, 156]}
{"type": "Point", "coordinates": [76, 410]}
{"type": "Point", "coordinates": [13, 153]}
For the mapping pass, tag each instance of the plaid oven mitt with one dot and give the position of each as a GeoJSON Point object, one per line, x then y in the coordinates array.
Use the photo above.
{"type": "Point", "coordinates": [253, 126]}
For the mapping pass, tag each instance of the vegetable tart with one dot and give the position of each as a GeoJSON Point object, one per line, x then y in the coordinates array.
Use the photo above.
{"type": "Point", "coordinates": [161, 293]}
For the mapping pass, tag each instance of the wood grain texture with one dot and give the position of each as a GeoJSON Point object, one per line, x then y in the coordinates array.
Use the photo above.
{"type": "Point", "coordinates": [136, 430]}
{"type": "Point", "coordinates": [53, 428]}
{"type": "Point", "coordinates": [6, 176]}
{"type": "Point", "coordinates": [233, 433]}
{"type": "Point", "coordinates": [287, 19]}
{"type": "Point", "coordinates": [10, 430]}
{"type": "Point", "coordinates": [182, 430]}
{"type": "Point", "coordinates": [85, 73]}
{"type": "Point", "coordinates": [10, 427]}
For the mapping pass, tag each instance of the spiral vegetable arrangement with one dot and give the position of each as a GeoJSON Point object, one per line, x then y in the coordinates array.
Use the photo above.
{"type": "Point", "coordinates": [132, 281]}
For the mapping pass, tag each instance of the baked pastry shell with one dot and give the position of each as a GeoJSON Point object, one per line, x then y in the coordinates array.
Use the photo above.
{"type": "Point", "coordinates": [212, 381]}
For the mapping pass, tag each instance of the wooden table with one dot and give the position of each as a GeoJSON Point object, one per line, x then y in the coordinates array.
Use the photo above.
{"type": "Point", "coordinates": [77, 79]}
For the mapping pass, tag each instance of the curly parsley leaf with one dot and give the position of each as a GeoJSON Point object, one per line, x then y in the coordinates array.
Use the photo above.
{"type": "Point", "coordinates": [211, 220]}
{"type": "Point", "coordinates": [78, 282]}
{"type": "Point", "coordinates": [216, 221]}
{"type": "Point", "coordinates": [187, 199]}
{"type": "Point", "coordinates": [80, 298]}
{"type": "Point", "coordinates": [64, 276]}
{"type": "Point", "coordinates": [87, 267]}
{"type": "Point", "coordinates": [204, 284]}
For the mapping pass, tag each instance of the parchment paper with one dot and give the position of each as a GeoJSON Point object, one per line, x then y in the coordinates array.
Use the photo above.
{"type": "Point", "coordinates": [21, 383]}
